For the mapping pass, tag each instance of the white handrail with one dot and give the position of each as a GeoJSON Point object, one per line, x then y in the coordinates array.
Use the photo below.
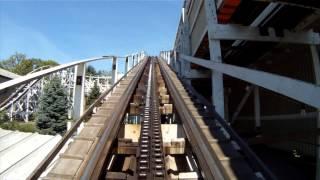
{"type": "Point", "coordinates": [36, 75]}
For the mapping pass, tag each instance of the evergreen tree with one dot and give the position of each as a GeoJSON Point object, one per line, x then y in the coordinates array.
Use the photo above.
{"type": "Point", "coordinates": [53, 108]}
{"type": "Point", "coordinates": [94, 94]}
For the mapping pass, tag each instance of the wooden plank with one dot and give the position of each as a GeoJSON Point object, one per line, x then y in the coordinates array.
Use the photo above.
{"type": "Point", "coordinates": [296, 89]}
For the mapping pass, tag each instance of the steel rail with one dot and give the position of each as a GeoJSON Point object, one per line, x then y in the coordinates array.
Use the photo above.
{"type": "Point", "coordinates": [144, 167]}
{"type": "Point", "coordinates": [150, 157]}
{"type": "Point", "coordinates": [52, 154]}
{"type": "Point", "coordinates": [157, 144]}
{"type": "Point", "coordinates": [95, 163]}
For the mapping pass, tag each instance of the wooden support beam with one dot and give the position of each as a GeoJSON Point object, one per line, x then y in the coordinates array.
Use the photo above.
{"type": "Point", "coordinates": [249, 33]}
{"type": "Point", "coordinates": [40, 74]}
{"type": "Point", "coordinates": [296, 89]}
{"type": "Point", "coordinates": [114, 70]}
{"type": "Point", "coordinates": [241, 104]}
{"type": "Point", "coordinates": [215, 56]}
{"type": "Point", "coordinates": [78, 91]}
{"type": "Point", "coordinates": [316, 68]}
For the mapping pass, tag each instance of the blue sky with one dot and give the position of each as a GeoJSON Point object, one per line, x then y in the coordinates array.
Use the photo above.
{"type": "Point", "coordinates": [66, 30]}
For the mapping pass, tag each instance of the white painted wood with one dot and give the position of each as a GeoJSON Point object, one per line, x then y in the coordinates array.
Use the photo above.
{"type": "Point", "coordinates": [267, 13]}
{"type": "Point", "coordinates": [114, 70]}
{"type": "Point", "coordinates": [37, 75]}
{"type": "Point", "coordinates": [132, 58]}
{"type": "Point", "coordinates": [296, 89]}
{"type": "Point", "coordinates": [249, 33]}
{"type": "Point", "coordinates": [196, 16]}
{"type": "Point", "coordinates": [199, 29]}
{"type": "Point", "coordinates": [186, 44]}
{"type": "Point", "coordinates": [27, 106]}
{"type": "Point", "coordinates": [215, 56]}
{"type": "Point", "coordinates": [78, 91]}
{"type": "Point", "coordinates": [194, 50]}
{"type": "Point", "coordinates": [126, 67]}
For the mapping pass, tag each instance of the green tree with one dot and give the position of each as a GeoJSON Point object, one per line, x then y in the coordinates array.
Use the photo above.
{"type": "Point", "coordinates": [12, 61]}
{"type": "Point", "coordinates": [3, 117]}
{"type": "Point", "coordinates": [23, 68]}
{"type": "Point", "coordinates": [20, 64]}
{"type": "Point", "coordinates": [53, 108]}
{"type": "Point", "coordinates": [104, 73]}
{"type": "Point", "coordinates": [91, 70]}
{"type": "Point", "coordinates": [94, 94]}
{"type": "Point", "coordinates": [37, 63]}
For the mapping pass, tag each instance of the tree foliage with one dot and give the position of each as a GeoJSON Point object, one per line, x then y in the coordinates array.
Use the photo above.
{"type": "Point", "coordinates": [94, 94]}
{"type": "Point", "coordinates": [3, 117]}
{"type": "Point", "coordinates": [13, 61]}
{"type": "Point", "coordinates": [20, 64]}
{"type": "Point", "coordinates": [104, 73]}
{"type": "Point", "coordinates": [53, 108]}
{"type": "Point", "coordinates": [91, 71]}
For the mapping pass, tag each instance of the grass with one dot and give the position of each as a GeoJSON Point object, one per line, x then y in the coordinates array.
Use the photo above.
{"type": "Point", "coordinates": [19, 126]}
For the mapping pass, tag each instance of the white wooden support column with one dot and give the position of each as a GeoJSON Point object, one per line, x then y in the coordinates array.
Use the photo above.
{"type": "Point", "coordinates": [27, 106]}
{"type": "Point", "coordinates": [132, 59]}
{"type": "Point", "coordinates": [166, 56]}
{"type": "Point", "coordinates": [126, 67]}
{"type": "Point", "coordinates": [114, 70]}
{"type": "Point", "coordinates": [316, 68]}
{"type": "Point", "coordinates": [78, 91]}
{"type": "Point", "coordinates": [257, 114]}
{"type": "Point", "coordinates": [215, 55]}
{"type": "Point", "coordinates": [135, 59]}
